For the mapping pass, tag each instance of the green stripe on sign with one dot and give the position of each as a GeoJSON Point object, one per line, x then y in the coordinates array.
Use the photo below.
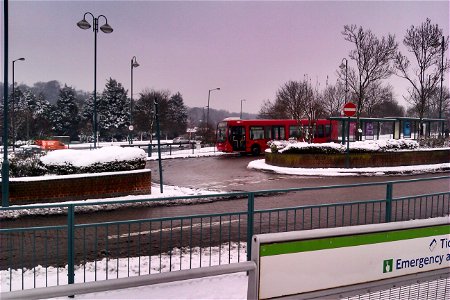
{"type": "Point", "coordinates": [351, 240]}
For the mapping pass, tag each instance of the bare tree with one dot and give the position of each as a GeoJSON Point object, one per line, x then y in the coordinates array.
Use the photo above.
{"type": "Point", "coordinates": [375, 96]}
{"type": "Point", "coordinates": [273, 110]}
{"type": "Point", "coordinates": [333, 99]}
{"type": "Point", "coordinates": [300, 101]}
{"type": "Point", "coordinates": [435, 102]}
{"type": "Point", "coordinates": [424, 42]}
{"type": "Point", "coordinates": [372, 56]}
{"type": "Point", "coordinates": [292, 95]}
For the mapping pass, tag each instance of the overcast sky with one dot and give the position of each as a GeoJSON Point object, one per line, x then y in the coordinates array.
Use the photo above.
{"type": "Point", "coordinates": [248, 49]}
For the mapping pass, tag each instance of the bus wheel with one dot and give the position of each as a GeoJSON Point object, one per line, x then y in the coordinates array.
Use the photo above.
{"type": "Point", "coordinates": [256, 150]}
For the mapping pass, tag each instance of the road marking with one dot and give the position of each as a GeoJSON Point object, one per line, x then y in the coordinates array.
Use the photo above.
{"type": "Point", "coordinates": [126, 235]}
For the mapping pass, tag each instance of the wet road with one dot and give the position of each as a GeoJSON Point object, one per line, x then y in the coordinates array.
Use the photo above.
{"type": "Point", "coordinates": [231, 174]}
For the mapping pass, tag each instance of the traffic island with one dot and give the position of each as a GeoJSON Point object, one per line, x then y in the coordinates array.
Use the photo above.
{"type": "Point", "coordinates": [359, 160]}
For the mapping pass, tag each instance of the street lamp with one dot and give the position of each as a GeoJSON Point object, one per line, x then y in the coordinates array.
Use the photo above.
{"type": "Point", "coordinates": [13, 112]}
{"type": "Point", "coordinates": [83, 24]}
{"type": "Point", "coordinates": [241, 107]}
{"type": "Point", "coordinates": [342, 66]}
{"type": "Point", "coordinates": [207, 110]}
{"type": "Point", "coordinates": [442, 78]}
{"type": "Point", "coordinates": [5, 162]}
{"type": "Point", "coordinates": [347, 157]}
{"type": "Point", "coordinates": [134, 64]}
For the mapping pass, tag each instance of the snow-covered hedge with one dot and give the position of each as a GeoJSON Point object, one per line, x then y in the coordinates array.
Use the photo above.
{"type": "Point", "coordinates": [68, 161]}
{"type": "Point", "coordinates": [23, 164]}
{"type": "Point", "coordinates": [334, 148]}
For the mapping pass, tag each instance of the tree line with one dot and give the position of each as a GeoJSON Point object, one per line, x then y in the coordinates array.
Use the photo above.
{"type": "Point", "coordinates": [361, 79]}
{"type": "Point", "coordinates": [33, 116]}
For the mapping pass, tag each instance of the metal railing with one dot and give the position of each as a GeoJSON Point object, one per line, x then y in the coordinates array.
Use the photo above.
{"type": "Point", "coordinates": [110, 249]}
{"type": "Point", "coordinates": [172, 149]}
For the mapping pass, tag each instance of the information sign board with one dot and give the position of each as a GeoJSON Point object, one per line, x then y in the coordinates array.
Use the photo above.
{"type": "Point", "coordinates": [303, 262]}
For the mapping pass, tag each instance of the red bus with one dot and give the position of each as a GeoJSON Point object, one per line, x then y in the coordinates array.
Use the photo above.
{"type": "Point", "coordinates": [251, 136]}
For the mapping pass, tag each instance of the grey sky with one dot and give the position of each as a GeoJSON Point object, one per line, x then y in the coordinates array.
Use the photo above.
{"type": "Point", "coordinates": [248, 49]}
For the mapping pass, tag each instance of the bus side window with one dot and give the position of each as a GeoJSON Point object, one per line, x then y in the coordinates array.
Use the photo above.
{"type": "Point", "coordinates": [256, 133]}
{"type": "Point", "coordinates": [278, 133]}
{"type": "Point", "coordinates": [268, 131]}
{"type": "Point", "coordinates": [294, 132]}
{"type": "Point", "coordinates": [327, 130]}
{"type": "Point", "coordinates": [320, 131]}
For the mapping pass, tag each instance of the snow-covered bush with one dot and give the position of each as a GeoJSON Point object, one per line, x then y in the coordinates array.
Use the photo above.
{"type": "Point", "coordinates": [434, 142]}
{"type": "Point", "coordinates": [68, 161]}
{"type": "Point", "coordinates": [24, 163]}
{"type": "Point", "coordinates": [383, 145]}
{"type": "Point", "coordinates": [305, 148]}
{"type": "Point", "coordinates": [334, 148]}
{"type": "Point", "coordinates": [106, 159]}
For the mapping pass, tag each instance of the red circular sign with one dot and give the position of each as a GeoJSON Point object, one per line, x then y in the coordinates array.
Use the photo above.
{"type": "Point", "coordinates": [349, 109]}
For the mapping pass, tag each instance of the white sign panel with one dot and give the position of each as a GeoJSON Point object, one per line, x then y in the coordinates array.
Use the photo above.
{"type": "Point", "coordinates": [313, 264]}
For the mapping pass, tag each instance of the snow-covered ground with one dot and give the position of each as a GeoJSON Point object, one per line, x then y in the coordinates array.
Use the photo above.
{"type": "Point", "coordinates": [216, 287]}
{"type": "Point", "coordinates": [260, 164]}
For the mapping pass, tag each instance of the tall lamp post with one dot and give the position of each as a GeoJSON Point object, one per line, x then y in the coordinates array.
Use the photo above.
{"type": "Point", "coordinates": [13, 112]}
{"type": "Point", "coordinates": [207, 110]}
{"type": "Point", "coordinates": [83, 24]}
{"type": "Point", "coordinates": [342, 66]}
{"type": "Point", "coordinates": [241, 107]}
{"type": "Point", "coordinates": [5, 162]}
{"type": "Point", "coordinates": [442, 79]}
{"type": "Point", "coordinates": [134, 64]}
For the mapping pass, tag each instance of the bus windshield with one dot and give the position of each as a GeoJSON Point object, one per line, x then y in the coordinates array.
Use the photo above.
{"type": "Point", "coordinates": [222, 132]}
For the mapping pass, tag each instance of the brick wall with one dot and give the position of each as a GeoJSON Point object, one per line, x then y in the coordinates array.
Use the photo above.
{"type": "Point", "coordinates": [79, 187]}
{"type": "Point", "coordinates": [359, 160]}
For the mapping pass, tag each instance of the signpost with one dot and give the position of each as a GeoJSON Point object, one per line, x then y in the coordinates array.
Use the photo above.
{"type": "Point", "coordinates": [324, 262]}
{"type": "Point", "coordinates": [349, 110]}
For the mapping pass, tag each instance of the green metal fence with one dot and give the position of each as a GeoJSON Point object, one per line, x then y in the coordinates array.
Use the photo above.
{"type": "Point", "coordinates": [107, 249]}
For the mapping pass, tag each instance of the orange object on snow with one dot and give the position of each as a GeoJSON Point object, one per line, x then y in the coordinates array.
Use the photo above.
{"type": "Point", "coordinates": [50, 144]}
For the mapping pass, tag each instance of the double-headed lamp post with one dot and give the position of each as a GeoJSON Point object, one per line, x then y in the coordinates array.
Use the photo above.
{"type": "Point", "coordinates": [207, 110]}
{"type": "Point", "coordinates": [134, 64]}
{"type": "Point", "coordinates": [83, 24]}
{"type": "Point", "coordinates": [243, 100]}
{"type": "Point", "coordinates": [13, 112]}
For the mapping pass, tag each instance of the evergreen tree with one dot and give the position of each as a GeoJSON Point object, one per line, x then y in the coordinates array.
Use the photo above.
{"type": "Point", "coordinates": [65, 119]}
{"type": "Point", "coordinates": [87, 119]}
{"type": "Point", "coordinates": [144, 111]}
{"type": "Point", "coordinates": [41, 125]}
{"type": "Point", "coordinates": [16, 100]}
{"type": "Point", "coordinates": [24, 114]}
{"type": "Point", "coordinates": [176, 116]}
{"type": "Point", "coordinates": [113, 110]}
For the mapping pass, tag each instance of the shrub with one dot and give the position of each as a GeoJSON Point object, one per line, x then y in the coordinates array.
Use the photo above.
{"type": "Point", "coordinates": [113, 166]}
{"type": "Point", "coordinates": [295, 147]}
{"type": "Point", "coordinates": [434, 142]}
{"type": "Point", "coordinates": [24, 164]}
{"type": "Point", "coordinates": [65, 162]}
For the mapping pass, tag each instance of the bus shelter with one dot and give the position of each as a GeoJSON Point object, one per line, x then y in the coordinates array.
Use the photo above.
{"type": "Point", "coordinates": [371, 128]}
{"type": "Point", "coordinates": [394, 127]}
{"type": "Point", "coordinates": [408, 127]}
